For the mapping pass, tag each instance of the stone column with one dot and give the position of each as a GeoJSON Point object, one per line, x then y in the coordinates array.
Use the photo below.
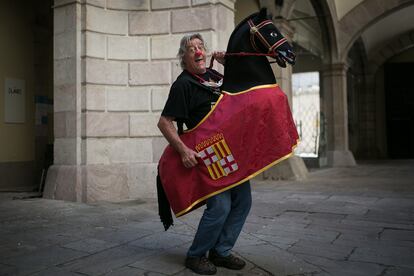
{"type": "Point", "coordinates": [284, 75]}
{"type": "Point", "coordinates": [64, 177]}
{"type": "Point", "coordinates": [334, 94]}
{"type": "Point", "coordinates": [114, 64]}
{"type": "Point", "coordinates": [293, 167]}
{"type": "Point", "coordinates": [369, 138]}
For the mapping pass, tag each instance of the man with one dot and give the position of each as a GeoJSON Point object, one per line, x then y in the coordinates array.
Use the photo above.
{"type": "Point", "coordinates": [191, 97]}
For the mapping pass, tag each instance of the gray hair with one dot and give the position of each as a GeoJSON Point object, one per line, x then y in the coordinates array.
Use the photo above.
{"type": "Point", "coordinates": [183, 46]}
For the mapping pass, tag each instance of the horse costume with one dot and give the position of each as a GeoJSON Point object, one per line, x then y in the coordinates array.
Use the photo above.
{"type": "Point", "coordinates": [248, 130]}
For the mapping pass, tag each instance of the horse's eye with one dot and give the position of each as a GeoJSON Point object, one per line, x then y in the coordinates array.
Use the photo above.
{"type": "Point", "coordinates": [273, 34]}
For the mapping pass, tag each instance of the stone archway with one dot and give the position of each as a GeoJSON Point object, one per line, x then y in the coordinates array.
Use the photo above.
{"type": "Point", "coordinates": [334, 151]}
{"type": "Point", "coordinates": [376, 77]}
{"type": "Point", "coordinates": [348, 31]}
{"type": "Point", "coordinates": [367, 13]}
{"type": "Point", "coordinates": [377, 47]}
{"type": "Point", "coordinates": [397, 45]}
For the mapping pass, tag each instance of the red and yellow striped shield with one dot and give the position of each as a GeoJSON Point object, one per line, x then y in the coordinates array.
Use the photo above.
{"type": "Point", "coordinates": [217, 156]}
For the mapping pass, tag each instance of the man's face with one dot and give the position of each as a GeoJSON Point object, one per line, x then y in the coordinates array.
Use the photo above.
{"type": "Point", "coordinates": [195, 57]}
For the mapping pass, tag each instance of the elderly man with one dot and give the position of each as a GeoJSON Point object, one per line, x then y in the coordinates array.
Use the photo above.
{"type": "Point", "coordinates": [191, 97]}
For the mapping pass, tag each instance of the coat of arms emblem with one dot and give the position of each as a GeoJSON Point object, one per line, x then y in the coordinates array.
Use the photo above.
{"type": "Point", "coordinates": [217, 157]}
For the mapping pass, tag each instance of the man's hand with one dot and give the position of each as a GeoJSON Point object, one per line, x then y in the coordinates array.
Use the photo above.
{"type": "Point", "coordinates": [189, 157]}
{"type": "Point", "coordinates": [220, 57]}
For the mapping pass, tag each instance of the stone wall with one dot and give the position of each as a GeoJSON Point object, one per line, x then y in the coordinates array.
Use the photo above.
{"type": "Point", "coordinates": [114, 63]}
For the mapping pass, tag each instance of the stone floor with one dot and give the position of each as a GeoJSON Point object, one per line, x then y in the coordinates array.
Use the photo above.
{"type": "Point", "coordinates": [348, 221]}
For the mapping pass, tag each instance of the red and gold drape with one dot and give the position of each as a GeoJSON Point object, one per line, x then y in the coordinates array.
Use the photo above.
{"type": "Point", "coordinates": [243, 135]}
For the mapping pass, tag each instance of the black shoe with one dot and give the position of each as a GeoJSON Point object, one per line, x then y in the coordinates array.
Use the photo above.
{"type": "Point", "coordinates": [200, 265]}
{"type": "Point", "coordinates": [230, 262]}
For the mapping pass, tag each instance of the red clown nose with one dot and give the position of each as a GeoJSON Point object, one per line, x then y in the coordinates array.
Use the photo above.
{"type": "Point", "coordinates": [198, 53]}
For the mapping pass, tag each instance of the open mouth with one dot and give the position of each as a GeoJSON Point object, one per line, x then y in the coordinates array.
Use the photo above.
{"type": "Point", "coordinates": [198, 59]}
{"type": "Point", "coordinates": [283, 56]}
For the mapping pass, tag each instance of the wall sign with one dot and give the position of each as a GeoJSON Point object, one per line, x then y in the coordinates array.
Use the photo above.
{"type": "Point", "coordinates": [14, 101]}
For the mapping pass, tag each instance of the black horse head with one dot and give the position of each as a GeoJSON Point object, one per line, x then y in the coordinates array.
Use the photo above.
{"type": "Point", "coordinates": [266, 38]}
{"type": "Point", "coordinates": [257, 35]}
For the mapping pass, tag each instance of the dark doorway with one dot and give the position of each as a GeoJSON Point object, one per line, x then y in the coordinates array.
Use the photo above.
{"type": "Point", "coordinates": [399, 96]}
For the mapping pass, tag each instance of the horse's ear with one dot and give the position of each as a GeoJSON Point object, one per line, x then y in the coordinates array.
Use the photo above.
{"type": "Point", "coordinates": [263, 13]}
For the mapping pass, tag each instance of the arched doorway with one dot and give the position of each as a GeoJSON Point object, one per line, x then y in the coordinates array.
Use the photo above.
{"type": "Point", "coordinates": [380, 63]}
{"type": "Point", "coordinates": [312, 52]}
{"type": "Point", "coordinates": [399, 105]}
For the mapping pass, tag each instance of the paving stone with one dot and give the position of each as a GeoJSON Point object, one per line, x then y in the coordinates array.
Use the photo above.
{"type": "Point", "coordinates": [368, 224]}
{"type": "Point", "coordinates": [279, 207]}
{"type": "Point", "coordinates": [387, 255]}
{"type": "Point", "coordinates": [262, 191]}
{"type": "Point", "coordinates": [308, 196]}
{"type": "Point", "coordinates": [289, 224]}
{"type": "Point", "coordinates": [54, 271]}
{"type": "Point", "coordinates": [362, 200]}
{"type": "Point", "coordinates": [246, 239]}
{"type": "Point", "coordinates": [386, 216]}
{"type": "Point", "coordinates": [260, 219]}
{"type": "Point", "coordinates": [41, 259]}
{"type": "Point", "coordinates": [278, 241]}
{"type": "Point", "coordinates": [170, 261]}
{"type": "Point", "coordinates": [372, 243]}
{"type": "Point", "coordinates": [358, 235]}
{"type": "Point", "coordinates": [324, 219]}
{"type": "Point", "coordinates": [163, 240]}
{"type": "Point", "coordinates": [17, 248]}
{"type": "Point", "coordinates": [345, 209]}
{"type": "Point", "coordinates": [252, 227]}
{"type": "Point", "coordinates": [90, 245]}
{"type": "Point", "coordinates": [276, 260]}
{"type": "Point", "coordinates": [349, 232]}
{"type": "Point", "coordinates": [264, 209]}
{"type": "Point", "coordinates": [399, 271]}
{"type": "Point", "coordinates": [293, 215]}
{"type": "Point", "coordinates": [327, 250]}
{"type": "Point", "coordinates": [132, 271]}
{"type": "Point", "coordinates": [258, 271]}
{"type": "Point", "coordinates": [108, 260]}
{"type": "Point", "coordinates": [343, 268]}
{"type": "Point", "coordinates": [183, 229]}
{"type": "Point", "coordinates": [154, 226]}
{"type": "Point", "coordinates": [122, 235]}
{"type": "Point", "coordinates": [304, 233]}
{"type": "Point", "coordinates": [7, 270]}
{"type": "Point", "coordinates": [30, 241]}
{"type": "Point", "coordinates": [396, 202]}
{"type": "Point", "coordinates": [397, 234]}
{"type": "Point", "coordinates": [326, 216]}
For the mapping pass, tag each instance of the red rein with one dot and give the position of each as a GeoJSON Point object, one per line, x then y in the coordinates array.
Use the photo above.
{"type": "Point", "coordinates": [241, 54]}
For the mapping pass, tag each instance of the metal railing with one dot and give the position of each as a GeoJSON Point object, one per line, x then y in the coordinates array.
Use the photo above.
{"type": "Point", "coordinates": [308, 125]}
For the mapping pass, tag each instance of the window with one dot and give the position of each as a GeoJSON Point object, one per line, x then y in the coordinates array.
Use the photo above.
{"type": "Point", "coordinates": [306, 112]}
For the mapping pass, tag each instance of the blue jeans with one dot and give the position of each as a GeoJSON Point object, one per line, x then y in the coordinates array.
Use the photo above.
{"type": "Point", "coordinates": [222, 221]}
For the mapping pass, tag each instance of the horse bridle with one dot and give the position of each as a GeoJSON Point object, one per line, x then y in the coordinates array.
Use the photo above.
{"type": "Point", "coordinates": [255, 32]}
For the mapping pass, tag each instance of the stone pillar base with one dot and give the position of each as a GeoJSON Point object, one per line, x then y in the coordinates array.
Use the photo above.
{"type": "Point", "coordinates": [339, 158]}
{"type": "Point", "coordinates": [91, 183]}
{"type": "Point", "coordinates": [292, 168]}
{"type": "Point", "coordinates": [63, 182]}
